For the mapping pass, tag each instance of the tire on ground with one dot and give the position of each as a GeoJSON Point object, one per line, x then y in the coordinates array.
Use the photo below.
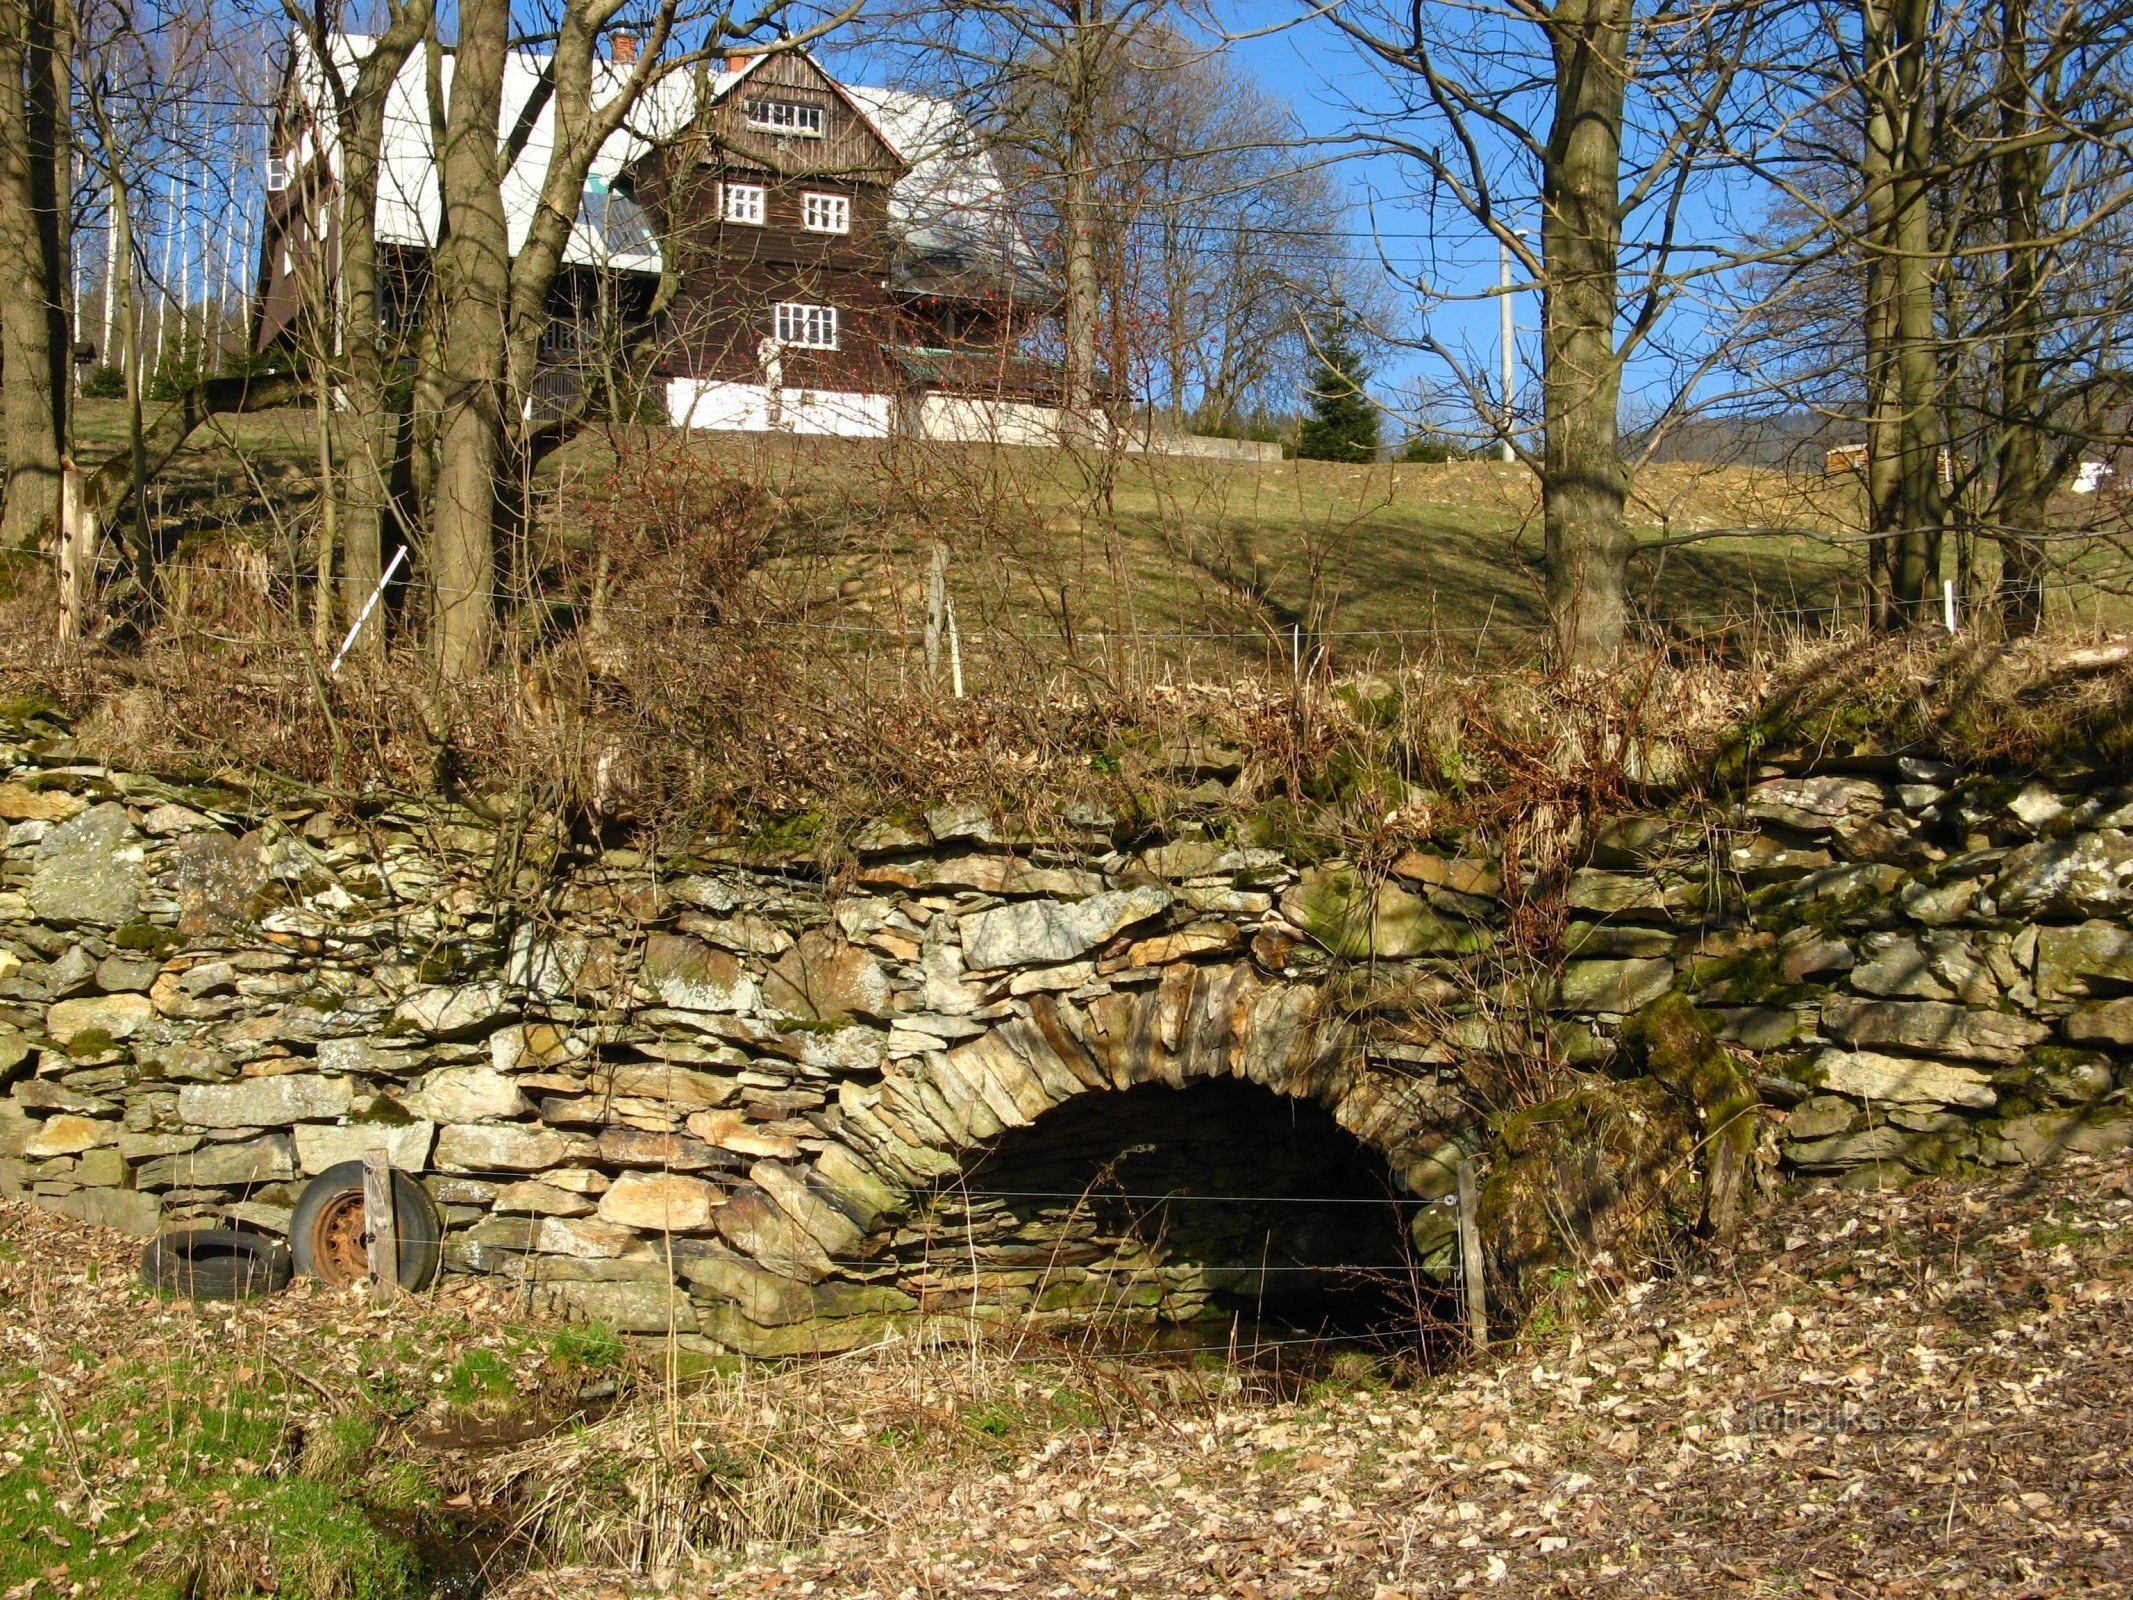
{"type": "Point", "coordinates": [326, 1230]}
{"type": "Point", "coordinates": [216, 1264]}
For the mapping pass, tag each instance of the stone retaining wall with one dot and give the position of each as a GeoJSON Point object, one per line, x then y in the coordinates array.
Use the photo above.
{"type": "Point", "coordinates": [721, 1095]}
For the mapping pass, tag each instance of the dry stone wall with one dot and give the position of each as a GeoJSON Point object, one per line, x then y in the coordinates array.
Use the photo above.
{"type": "Point", "coordinates": [720, 1096]}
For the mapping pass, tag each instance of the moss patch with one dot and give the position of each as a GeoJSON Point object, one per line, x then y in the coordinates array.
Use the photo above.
{"type": "Point", "coordinates": [1672, 1041]}
{"type": "Point", "coordinates": [1606, 1167]}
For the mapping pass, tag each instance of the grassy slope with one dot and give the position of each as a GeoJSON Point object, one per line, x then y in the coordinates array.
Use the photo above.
{"type": "Point", "coordinates": [1390, 561]}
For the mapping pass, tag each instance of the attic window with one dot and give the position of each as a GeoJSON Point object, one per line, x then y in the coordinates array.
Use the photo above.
{"type": "Point", "coordinates": [786, 117]}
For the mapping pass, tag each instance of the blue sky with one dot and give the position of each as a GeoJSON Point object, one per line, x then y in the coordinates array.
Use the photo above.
{"type": "Point", "coordinates": [1333, 91]}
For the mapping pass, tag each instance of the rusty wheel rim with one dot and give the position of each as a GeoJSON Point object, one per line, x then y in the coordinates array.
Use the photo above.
{"type": "Point", "coordinates": [340, 1249]}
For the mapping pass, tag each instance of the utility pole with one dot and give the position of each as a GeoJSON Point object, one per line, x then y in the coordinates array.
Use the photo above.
{"type": "Point", "coordinates": [1509, 341]}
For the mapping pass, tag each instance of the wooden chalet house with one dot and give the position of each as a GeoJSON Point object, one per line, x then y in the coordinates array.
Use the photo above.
{"type": "Point", "coordinates": [795, 253]}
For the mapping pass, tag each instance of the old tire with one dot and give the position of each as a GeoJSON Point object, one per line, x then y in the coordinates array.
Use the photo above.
{"type": "Point", "coordinates": [216, 1264]}
{"type": "Point", "coordinates": [327, 1236]}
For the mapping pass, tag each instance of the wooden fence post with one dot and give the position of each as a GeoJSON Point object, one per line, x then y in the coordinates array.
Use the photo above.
{"type": "Point", "coordinates": [1477, 1301]}
{"type": "Point", "coordinates": [379, 1226]}
{"type": "Point", "coordinates": [77, 551]}
{"type": "Point", "coordinates": [936, 613]}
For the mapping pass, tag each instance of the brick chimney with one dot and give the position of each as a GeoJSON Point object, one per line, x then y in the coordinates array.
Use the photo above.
{"type": "Point", "coordinates": [738, 63]}
{"type": "Point", "coordinates": [622, 47]}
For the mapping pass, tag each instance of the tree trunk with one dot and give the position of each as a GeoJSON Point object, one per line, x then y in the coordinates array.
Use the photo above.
{"type": "Point", "coordinates": [35, 194]}
{"type": "Point", "coordinates": [1884, 446]}
{"type": "Point", "coordinates": [1083, 284]}
{"type": "Point", "coordinates": [132, 471]}
{"type": "Point", "coordinates": [1583, 485]}
{"type": "Point", "coordinates": [1911, 521]}
{"type": "Point", "coordinates": [474, 286]}
{"type": "Point", "coordinates": [2022, 490]}
{"type": "Point", "coordinates": [373, 433]}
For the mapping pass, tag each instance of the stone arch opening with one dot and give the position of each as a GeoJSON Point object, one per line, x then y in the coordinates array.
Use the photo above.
{"type": "Point", "coordinates": [1173, 1216]}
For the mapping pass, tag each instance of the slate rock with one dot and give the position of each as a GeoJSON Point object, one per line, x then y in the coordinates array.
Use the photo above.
{"type": "Point", "coordinates": [121, 1210]}
{"type": "Point", "coordinates": [1043, 932]}
{"type": "Point", "coordinates": [1812, 954]}
{"type": "Point", "coordinates": [1358, 920]}
{"type": "Point", "coordinates": [1939, 904]}
{"type": "Point", "coordinates": [531, 1197]}
{"type": "Point", "coordinates": [675, 1152]}
{"type": "Point", "coordinates": [44, 1094]}
{"type": "Point", "coordinates": [690, 975]}
{"type": "Point", "coordinates": [1815, 805]}
{"type": "Point", "coordinates": [265, 1102]}
{"type": "Point", "coordinates": [1881, 1143]}
{"type": "Point", "coordinates": [661, 1202]}
{"type": "Point", "coordinates": [125, 973]}
{"type": "Point", "coordinates": [1934, 1029]}
{"type": "Point", "coordinates": [73, 973]}
{"type": "Point", "coordinates": [91, 870]}
{"type": "Point", "coordinates": [744, 931]}
{"type": "Point", "coordinates": [460, 1012]}
{"type": "Point", "coordinates": [621, 1307]}
{"type": "Point", "coordinates": [267, 1159]}
{"type": "Point", "coordinates": [1613, 892]}
{"type": "Point", "coordinates": [322, 1145]}
{"type": "Point", "coordinates": [1821, 1116]}
{"type": "Point", "coordinates": [1927, 966]}
{"type": "Point", "coordinates": [2095, 957]}
{"type": "Point", "coordinates": [219, 883]}
{"type": "Point", "coordinates": [824, 979]}
{"type": "Point", "coordinates": [509, 1147]}
{"type": "Point", "coordinates": [21, 803]}
{"type": "Point", "coordinates": [370, 1058]}
{"type": "Point", "coordinates": [557, 1236]}
{"type": "Point", "coordinates": [2046, 1135]}
{"type": "Point", "coordinates": [467, 1094]}
{"type": "Point", "coordinates": [1869, 1075]}
{"type": "Point", "coordinates": [67, 1135]}
{"type": "Point", "coordinates": [2088, 875]}
{"type": "Point", "coordinates": [1612, 986]}
{"type": "Point", "coordinates": [683, 1088]}
{"type": "Point", "coordinates": [2105, 1022]}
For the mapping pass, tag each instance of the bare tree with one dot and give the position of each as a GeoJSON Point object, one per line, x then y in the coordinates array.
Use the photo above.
{"type": "Point", "coordinates": [1038, 76]}
{"type": "Point", "coordinates": [492, 302]}
{"type": "Point", "coordinates": [1596, 121]}
{"type": "Point", "coordinates": [1222, 236]}
{"type": "Point", "coordinates": [354, 87]}
{"type": "Point", "coordinates": [1957, 200]}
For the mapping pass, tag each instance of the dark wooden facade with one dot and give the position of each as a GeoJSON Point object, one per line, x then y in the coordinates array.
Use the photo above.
{"type": "Point", "coordinates": [728, 277]}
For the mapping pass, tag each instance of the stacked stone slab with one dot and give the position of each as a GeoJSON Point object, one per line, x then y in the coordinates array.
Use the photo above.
{"type": "Point", "coordinates": [712, 1096]}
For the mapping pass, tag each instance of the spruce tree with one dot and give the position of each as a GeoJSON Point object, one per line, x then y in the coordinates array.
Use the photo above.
{"type": "Point", "coordinates": [1343, 425]}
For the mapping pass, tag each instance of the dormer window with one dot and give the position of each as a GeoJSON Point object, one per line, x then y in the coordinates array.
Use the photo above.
{"type": "Point", "coordinates": [786, 117]}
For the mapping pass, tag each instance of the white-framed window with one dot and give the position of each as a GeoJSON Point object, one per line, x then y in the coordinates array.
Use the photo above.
{"type": "Point", "coordinates": [786, 116]}
{"type": "Point", "coordinates": [278, 173]}
{"type": "Point", "coordinates": [826, 213]}
{"type": "Point", "coordinates": [807, 327]}
{"type": "Point", "coordinates": [743, 202]}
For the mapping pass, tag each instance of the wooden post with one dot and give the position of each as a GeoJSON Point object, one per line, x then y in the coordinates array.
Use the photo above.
{"type": "Point", "coordinates": [936, 609]}
{"type": "Point", "coordinates": [955, 651]}
{"type": "Point", "coordinates": [1477, 1294]}
{"type": "Point", "coordinates": [379, 1227]}
{"type": "Point", "coordinates": [77, 551]}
